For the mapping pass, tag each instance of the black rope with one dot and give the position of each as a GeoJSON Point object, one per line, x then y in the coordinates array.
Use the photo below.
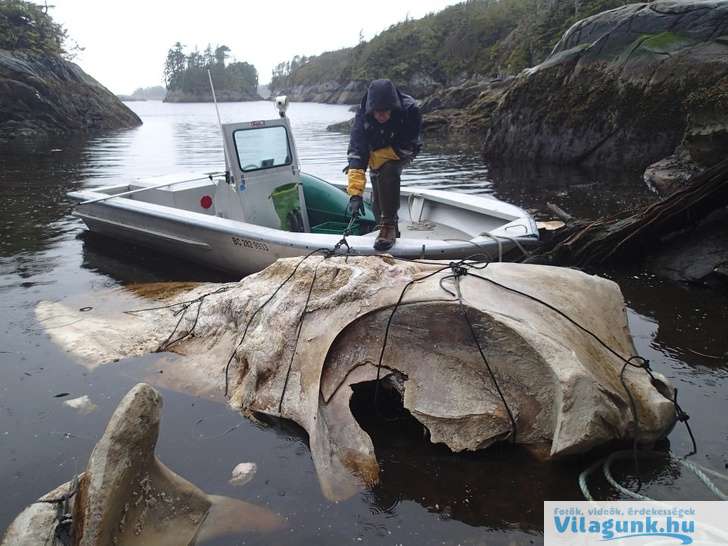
{"type": "Point", "coordinates": [683, 417]}
{"type": "Point", "coordinates": [635, 421]}
{"type": "Point", "coordinates": [182, 303]}
{"type": "Point", "coordinates": [459, 271]}
{"type": "Point", "coordinates": [266, 302]}
{"type": "Point", "coordinates": [167, 343]}
{"type": "Point", "coordinates": [340, 384]}
{"type": "Point", "coordinates": [327, 254]}
{"type": "Point", "coordinates": [298, 335]}
{"type": "Point", "coordinates": [58, 500]}
{"type": "Point", "coordinates": [343, 242]}
{"type": "Point", "coordinates": [182, 312]}
{"type": "Point", "coordinates": [633, 361]}
{"type": "Point", "coordinates": [389, 324]}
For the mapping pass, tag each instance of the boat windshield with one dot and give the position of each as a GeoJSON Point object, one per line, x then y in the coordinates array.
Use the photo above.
{"type": "Point", "coordinates": [262, 148]}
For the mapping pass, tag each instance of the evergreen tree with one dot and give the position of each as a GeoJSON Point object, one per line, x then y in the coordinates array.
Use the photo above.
{"type": "Point", "coordinates": [174, 66]}
{"type": "Point", "coordinates": [221, 53]}
{"type": "Point", "coordinates": [27, 26]}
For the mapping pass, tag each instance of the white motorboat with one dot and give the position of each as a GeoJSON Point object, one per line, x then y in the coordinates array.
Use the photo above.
{"type": "Point", "coordinates": [263, 207]}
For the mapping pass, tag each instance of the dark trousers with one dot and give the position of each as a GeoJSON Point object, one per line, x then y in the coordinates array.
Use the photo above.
{"type": "Point", "coordinates": [385, 191]}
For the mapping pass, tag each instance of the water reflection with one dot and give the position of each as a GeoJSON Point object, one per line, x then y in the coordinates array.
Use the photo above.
{"type": "Point", "coordinates": [691, 334]}
{"type": "Point", "coordinates": [583, 193]}
{"type": "Point", "coordinates": [33, 185]}
{"type": "Point", "coordinates": [129, 263]}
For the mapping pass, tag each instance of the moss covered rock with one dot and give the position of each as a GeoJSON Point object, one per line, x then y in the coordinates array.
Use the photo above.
{"type": "Point", "coordinates": [43, 94]}
{"type": "Point", "coordinates": [623, 87]}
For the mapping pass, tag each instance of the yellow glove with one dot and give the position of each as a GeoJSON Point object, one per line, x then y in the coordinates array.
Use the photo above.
{"type": "Point", "coordinates": [356, 182]}
{"type": "Point", "coordinates": [379, 157]}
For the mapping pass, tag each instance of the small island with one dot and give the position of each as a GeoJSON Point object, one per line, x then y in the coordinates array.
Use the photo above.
{"type": "Point", "coordinates": [187, 80]}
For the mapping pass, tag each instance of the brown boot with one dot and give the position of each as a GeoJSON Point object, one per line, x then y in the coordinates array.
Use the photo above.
{"type": "Point", "coordinates": [387, 236]}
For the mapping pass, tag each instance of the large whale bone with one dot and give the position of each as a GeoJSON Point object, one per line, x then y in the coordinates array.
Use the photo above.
{"type": "Point", "coordinates": [127, 497]}
{"type": "Point", "coordinates": [560, 386]}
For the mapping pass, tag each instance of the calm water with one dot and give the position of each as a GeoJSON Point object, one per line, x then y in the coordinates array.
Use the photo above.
{"type": "Point", "coordinates": [427, 495]}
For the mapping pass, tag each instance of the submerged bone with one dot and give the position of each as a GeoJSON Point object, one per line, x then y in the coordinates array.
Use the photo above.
{"type": "Point", "coordinates": [95, 328]}
{"type": "Point", "coordinates": [82, 404]}
{"type": "Point", "coordinates": [127, 497]}
{"type": "Point", "coordinates": [243, 473]}
{"type": "Point", "coordinates": [561, 387]}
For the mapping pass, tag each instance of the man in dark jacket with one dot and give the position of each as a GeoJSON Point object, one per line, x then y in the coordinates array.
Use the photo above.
{"type": "Point", "coordinates": [385, 138]}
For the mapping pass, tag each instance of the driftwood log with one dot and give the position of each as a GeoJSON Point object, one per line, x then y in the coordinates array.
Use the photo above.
{"type": "Point", "coordinates": [633, 234]}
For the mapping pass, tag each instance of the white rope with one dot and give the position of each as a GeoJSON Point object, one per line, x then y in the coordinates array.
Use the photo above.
{"type": "Point", "coordinates": [606, 465]}
{"type": "Point", "coordinates": [497, 240]}
{"type": "Point", "coordinates": [507, 238]}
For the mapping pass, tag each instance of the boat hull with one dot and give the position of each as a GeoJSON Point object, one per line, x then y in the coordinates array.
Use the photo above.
{"type": "Point", "coordinates": [243, 248]}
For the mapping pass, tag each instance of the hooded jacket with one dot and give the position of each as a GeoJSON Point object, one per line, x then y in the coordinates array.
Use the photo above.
{"type": "Point", "coordinates": [402, 131]}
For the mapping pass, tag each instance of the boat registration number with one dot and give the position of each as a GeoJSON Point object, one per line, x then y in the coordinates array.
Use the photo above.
{"type": "Point", "coordinates": [247, 243]}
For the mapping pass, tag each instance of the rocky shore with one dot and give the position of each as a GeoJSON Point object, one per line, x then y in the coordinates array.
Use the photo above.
{"type": "Point", "coordinates": [43, 94]}
{"type": "Point", "coordinates": [330, 92]}
{"type": "Point", "coordinates": [351, 91]}
{"type": "Point", "coordinates": [639, 85]}
{"type": "Point", "coordinates": [630, 86]}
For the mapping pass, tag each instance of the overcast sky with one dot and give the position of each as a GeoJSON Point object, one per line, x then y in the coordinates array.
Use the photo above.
{"type": "Point", "coordinates": [127, 41]}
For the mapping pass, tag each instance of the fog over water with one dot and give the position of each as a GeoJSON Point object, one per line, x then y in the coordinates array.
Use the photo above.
{"type": "Point", "coordinates": [427, 495]}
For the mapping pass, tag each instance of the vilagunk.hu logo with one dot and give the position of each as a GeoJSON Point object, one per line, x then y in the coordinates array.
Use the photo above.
{"type": "Point", "coordinates": [635, 523]}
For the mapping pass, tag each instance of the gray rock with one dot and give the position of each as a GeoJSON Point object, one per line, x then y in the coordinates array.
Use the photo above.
{"type": "Point", "coordinates": [83, 404]}
{"type": "Point", "coordinates": [624, 87]}
{"type": "Point", "coordinates": [243, 473]}
{"type": "Point", "coordinates": [699, 256]}
{"type": "Point", "coordinates": [342, 126]}
{"type": "Point", "coordinates": [671, 173]}
{"type": "Point", "coordinates": [42, 94]}
{"type": "Point", "coordinates": [329, 92]}
{"type": "Point", "coordinates": [459, 116]}
{"type": "Point", "coordinates": [352, 91]}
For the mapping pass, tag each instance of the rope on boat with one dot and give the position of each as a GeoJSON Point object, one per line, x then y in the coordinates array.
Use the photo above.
{"type": "Point", "coordinates": [499, 238]}
{"type": "Point", "coordinates": [147, 188]}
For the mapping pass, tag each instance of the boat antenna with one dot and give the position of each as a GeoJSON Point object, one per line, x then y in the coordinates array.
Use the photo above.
{"type": "Point", "coordinates": [228, 163]}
